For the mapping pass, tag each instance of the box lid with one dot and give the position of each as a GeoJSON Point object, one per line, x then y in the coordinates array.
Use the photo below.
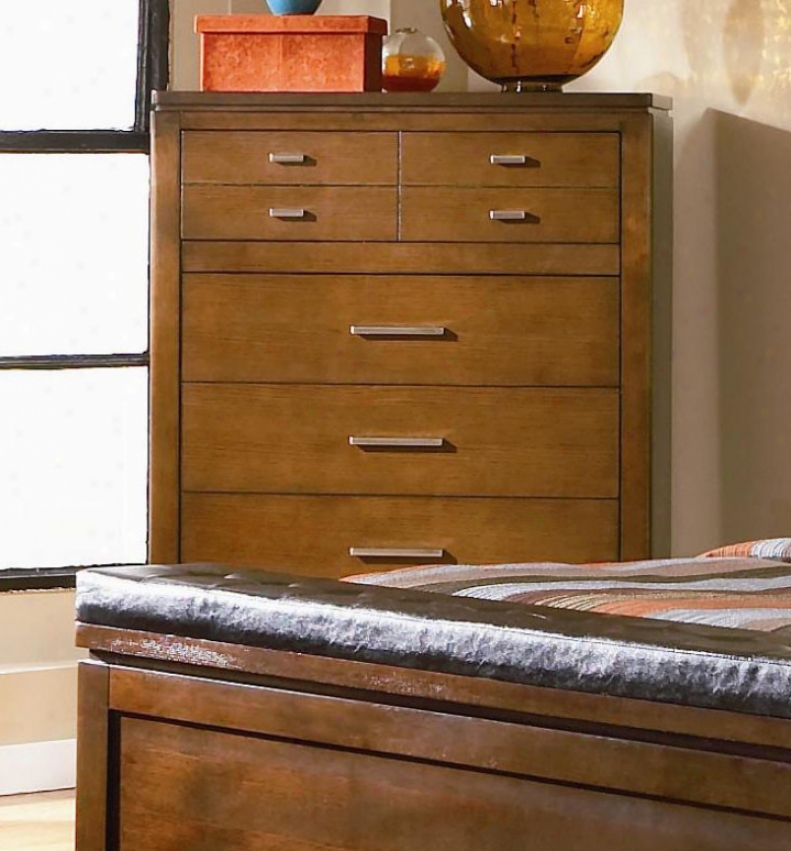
{"type": "Point", "coordinates": [330, 24]}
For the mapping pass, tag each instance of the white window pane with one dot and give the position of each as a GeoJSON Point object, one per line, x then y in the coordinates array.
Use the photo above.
{"type": "Point", "coordinates": [68, 64]}
{"type": "Point", "coordinates": [74, 264]}
{"type": "Point", "coordinates": [73, 467]}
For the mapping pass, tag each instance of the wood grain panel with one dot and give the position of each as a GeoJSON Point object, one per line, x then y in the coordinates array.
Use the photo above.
{"type": "Point", "coordinates": [332, 213]}
{"type": "Point", "coordinates": [295, 439]}
{"type": "Point", "coordinates": [330, 158]}
{"type": "Point", "coordinates": [407, 258]}
{"type": "Point", "coordinates": [311, 535]}
{"type": "Point", "coordinates": [553, 215]}
{"type": "Point", "coordinates": [499, 331]}
{"type": "Point", "coordinates": [688, 770]}
{"type": "Point", "coordinates": [547, 106]}
{"type": "Point", "coordinates": [165, 377]}
{"type": "Point", "coordinates": [636, 364]}
{"type": "Point", "coordinates": [552, 159]}
{"type": "Point", "coordinates": [93, 756]}
{"type": "Point", "coordinates": [182, 787]}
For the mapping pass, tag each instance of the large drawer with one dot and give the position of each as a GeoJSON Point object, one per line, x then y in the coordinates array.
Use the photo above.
{"type": "Point", "coordinates": [453, 214]}
{"type": "Point", "coordinates": [314, 535]}
{"type": "Point", "coordinates": [290, 158]}
{"type": "Point", "coordinates": [510, 159]}
{"type": "Point", "coordinates": [314, 439]}
{"type": "Point", "coordinates": [289, 212]}
{"type": "Point", "coordinates": [401, 330]}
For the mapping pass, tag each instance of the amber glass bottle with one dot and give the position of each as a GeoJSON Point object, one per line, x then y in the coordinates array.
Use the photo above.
{"type": "Point", "coordinates": [411, 62]}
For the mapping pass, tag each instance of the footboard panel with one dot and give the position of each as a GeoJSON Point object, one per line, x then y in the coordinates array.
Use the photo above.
{"type": "Point", "coordinates": [195, 788]}
{"type": "Point", "coordinates": [202, 759]}
{"type": "Point", "coordinates": [227, 712]}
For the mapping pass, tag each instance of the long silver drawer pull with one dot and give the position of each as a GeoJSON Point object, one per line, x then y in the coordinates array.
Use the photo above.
{"type": "Point", "coordinates": [387, 552]}
{"type": "Point", "coordinates": [508, 159]}
{"type": "Point", "coordinates": [397, 331]}
{"type": "Point", "coordinates": [288, 159]}
{"type": "Point", "coordinates": [286, 213]}
{"type": "Point", "coordinates": [508, 215]}
{"type": "Point", "coordinates": [398, 442]}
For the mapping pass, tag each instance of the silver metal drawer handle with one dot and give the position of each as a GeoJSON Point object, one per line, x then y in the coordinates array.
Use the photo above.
{"type": "Point", "coordinates": [288, 159]}
{"type": "Point", "coordinates": [387, 552]}
{"type": "Point", "coordinates": [286, 213]}
{"type": "Point", "coordinates": [508, 215]}
{"type": "Point", "coordinates": [508, 159]}
{"type": "Point", "coordinates": [397, 331]}
{"type": "Point", "coordinates": [398, 442]}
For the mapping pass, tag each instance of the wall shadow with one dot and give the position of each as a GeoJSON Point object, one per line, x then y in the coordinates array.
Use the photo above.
{"type": "Point", "coordinates": [753, 209]}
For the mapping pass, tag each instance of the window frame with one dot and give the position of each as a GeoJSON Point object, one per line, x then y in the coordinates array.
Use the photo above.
{"type": "Point", "coordinates": [153, 68]}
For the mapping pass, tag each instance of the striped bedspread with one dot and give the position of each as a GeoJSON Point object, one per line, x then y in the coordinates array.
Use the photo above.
{"type": "Point", "coordinates": [741, 591]}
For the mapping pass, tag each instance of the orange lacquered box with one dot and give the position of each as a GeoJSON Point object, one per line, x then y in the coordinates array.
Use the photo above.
{"type": "Point", "coordinates": [291, 53]}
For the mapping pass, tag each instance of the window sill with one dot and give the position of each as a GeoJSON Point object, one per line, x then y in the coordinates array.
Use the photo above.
{"type": "Point", "coordinates": [38, 580]}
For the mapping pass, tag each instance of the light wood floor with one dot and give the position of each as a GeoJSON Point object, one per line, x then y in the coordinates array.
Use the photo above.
{"type": "Point", "coordinates": [37, 822]}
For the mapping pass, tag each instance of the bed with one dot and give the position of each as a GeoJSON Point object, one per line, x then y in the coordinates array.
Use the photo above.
{"type": "Point", "coordinates": [225, 709]}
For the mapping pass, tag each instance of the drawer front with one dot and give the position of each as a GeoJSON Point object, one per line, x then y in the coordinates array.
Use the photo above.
{"type": "Point", "coordinates": [511, 159]}
{"type": "Point", "coordinates": [290, 158]}
{"type": "Point", "coordinates": [391, 440]}
{"type": "Point", "coordinates": [289, 213]}
{"type": "Point", "coordinates": [402, 258]}
{"type": "Point", "coordinates": [449, 214]}
{"type": "Point", "coordinates": [314, 535]}
{"type": "Point", "coordinates": [401, 330]}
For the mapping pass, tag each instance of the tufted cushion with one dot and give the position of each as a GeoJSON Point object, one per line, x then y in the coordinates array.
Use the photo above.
{"type": "Point", "coordinates": [631, 657]}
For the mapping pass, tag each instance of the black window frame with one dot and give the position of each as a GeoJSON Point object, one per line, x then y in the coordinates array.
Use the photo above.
{"type": "Point", "coordinates": [153, 70]}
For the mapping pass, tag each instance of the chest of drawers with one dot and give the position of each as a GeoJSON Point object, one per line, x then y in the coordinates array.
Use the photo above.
{"type": "Point", "coordinates": [393, 329]}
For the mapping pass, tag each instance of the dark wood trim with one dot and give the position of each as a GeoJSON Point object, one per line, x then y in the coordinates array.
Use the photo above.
{"type": "Point", "coordinates": [662, 338]}
{"type": "Point", "coordinates": [521, 747]}
{"type": "Point", "coordinates": [41, 578]}
{"type": "Point", "coordinates": [73, 361]}
{"type": "Point", "coordinates": [153, 57]}
{"type": "Point", "coordinates": [93, 756]}
{"type": "Point", "coordinates": [293, 670]}
{"type": "Point", "coordinates": [37, 579]}
{"type": "Point", "coordinates": [74, 142]}
{"type": "Point", "coordinates": [497, 101]}
{"type": "Point", "coordinates": [165, 341]}
{"type": "Point", "coordinates": [636, 299]}
{"type": "Point", "coordinates": [202, 748]}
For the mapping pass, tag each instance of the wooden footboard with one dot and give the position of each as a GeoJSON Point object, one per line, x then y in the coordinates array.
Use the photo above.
{"type": "Point", "coordinates": [192, 745]}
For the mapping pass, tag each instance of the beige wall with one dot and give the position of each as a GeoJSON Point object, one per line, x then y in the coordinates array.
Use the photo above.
{"type": "Point", "coordinates": [37, 667]}
{"type": "Point", "coordinates": [727, 64]}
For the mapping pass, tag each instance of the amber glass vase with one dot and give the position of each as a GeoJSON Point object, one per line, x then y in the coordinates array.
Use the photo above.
{"type": "Point", "coordinates": [532, 45]}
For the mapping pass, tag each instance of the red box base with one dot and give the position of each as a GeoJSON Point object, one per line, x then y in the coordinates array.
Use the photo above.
{"type": "Point", "coordinates": [297, 53]}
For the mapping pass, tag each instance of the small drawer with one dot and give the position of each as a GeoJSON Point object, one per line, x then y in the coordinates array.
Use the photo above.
{"type": "Point", "coordinates": [457, 330]}
{"type": "Point", "coordinates": [314, 535]}
{"type": "Point", "coordinates": [400, 440]}
{"type": "Point", "coordinates": [448, 214]}
{"type": "Point", "coordinates": [290, 158]}
{"type": "Point", "coordinates": [289, 213]}
{"type": "Point", "coordinates": [511, 159]}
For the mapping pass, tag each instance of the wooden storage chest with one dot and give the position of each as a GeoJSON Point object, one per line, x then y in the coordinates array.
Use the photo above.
{"type": "Point", "coordinates": [390, 329]}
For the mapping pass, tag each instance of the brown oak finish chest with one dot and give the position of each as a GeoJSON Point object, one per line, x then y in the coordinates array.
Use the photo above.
{"type": "Point", "coordinates": [395, 329]}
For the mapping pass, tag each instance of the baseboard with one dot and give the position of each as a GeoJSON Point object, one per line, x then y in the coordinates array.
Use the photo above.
{"type": "Point", "coordinates": [38, 767]}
